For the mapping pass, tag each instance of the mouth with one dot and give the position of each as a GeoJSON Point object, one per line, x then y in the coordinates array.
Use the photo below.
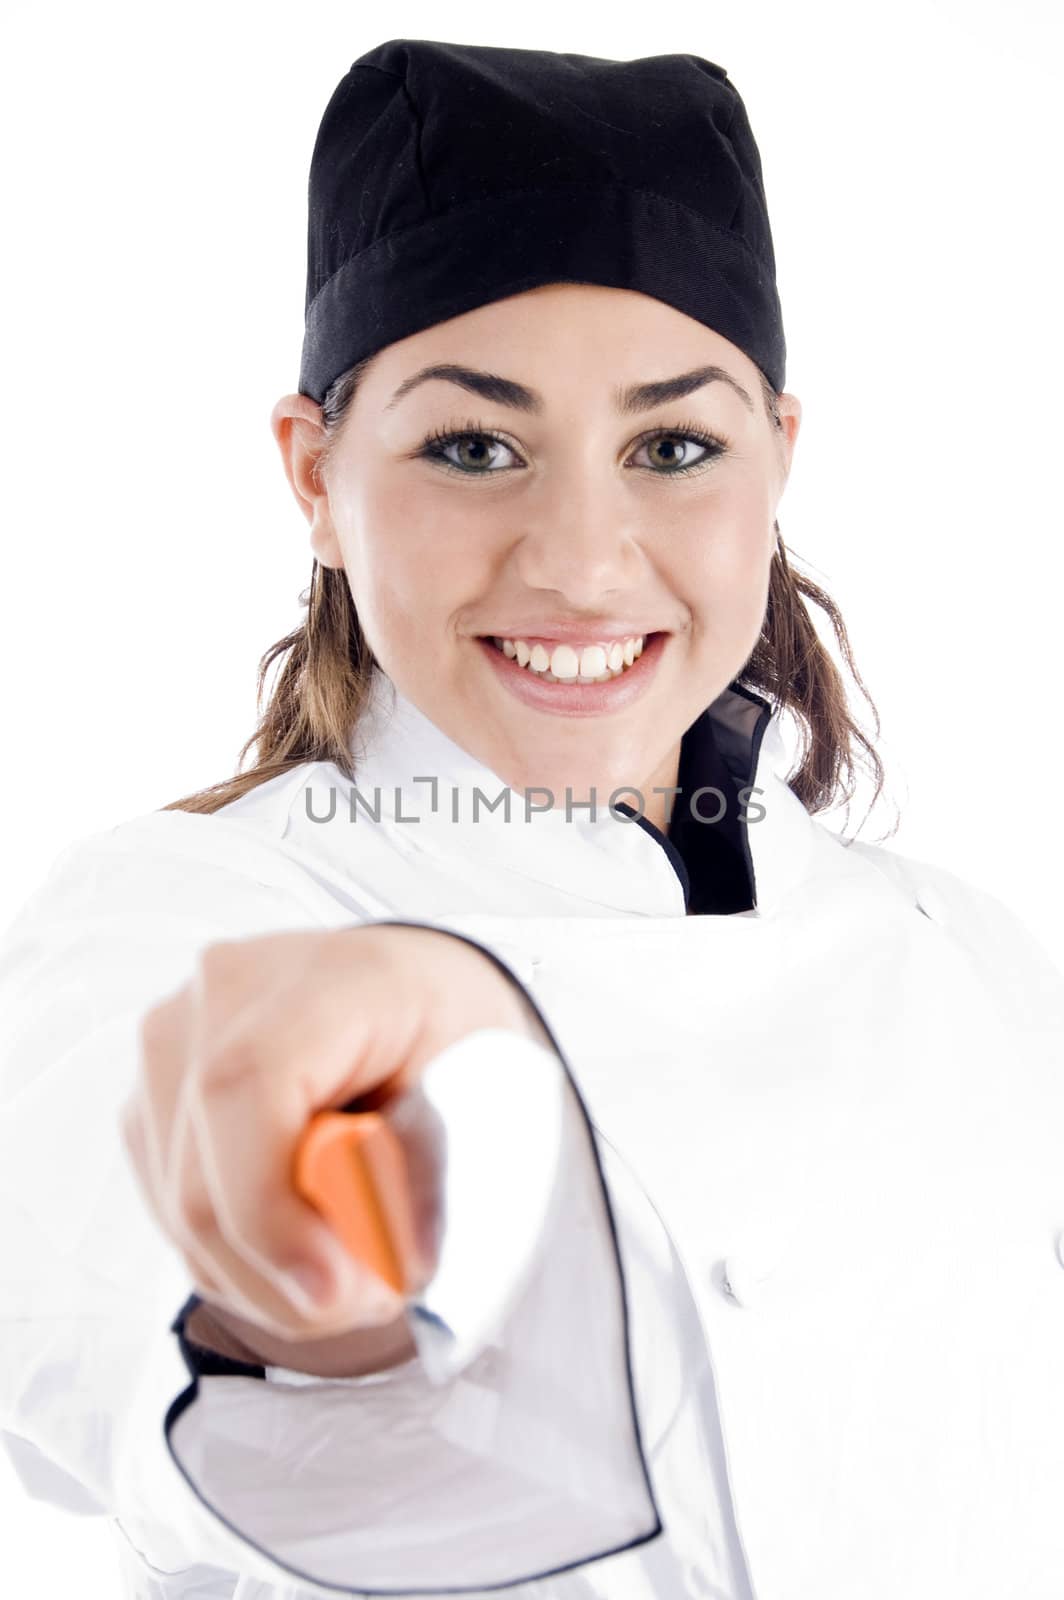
{"type": "Point", "coordinates": [556, 661]}
{"type": "Point", "coordinates": [603, 690]}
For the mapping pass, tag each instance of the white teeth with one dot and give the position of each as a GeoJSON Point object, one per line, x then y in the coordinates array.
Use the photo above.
{"type": "Point", "coordinates": [592, 663]}
{"type": "Point", "coordinates": [566, 664]}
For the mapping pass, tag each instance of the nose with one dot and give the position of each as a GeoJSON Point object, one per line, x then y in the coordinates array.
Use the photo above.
{"type": "Point", "coordinates": [578, 540]}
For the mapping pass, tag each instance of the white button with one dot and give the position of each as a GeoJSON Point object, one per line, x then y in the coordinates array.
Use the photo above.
{"type": "Point", "coordinates": [1060, 1247]}
{"type": "Point", "coordinates": [740, 1277]}
{"type": "Point", "coordinates": [932, 904]}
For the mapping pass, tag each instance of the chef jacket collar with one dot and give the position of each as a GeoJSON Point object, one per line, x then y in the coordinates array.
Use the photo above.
{"type": "Point", "coordinates": [704, 836]}
{"type": "Point", "coordinates": [409, 771]}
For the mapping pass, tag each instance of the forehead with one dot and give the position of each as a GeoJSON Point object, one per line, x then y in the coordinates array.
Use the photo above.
{"type": "Point", "coordinates": [628, 348]}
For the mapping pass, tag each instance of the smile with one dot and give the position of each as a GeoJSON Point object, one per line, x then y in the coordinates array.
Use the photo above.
{"type": "Point", "coordinates": [573, 692]}
{"type": "Point", "coordinates": [564, 663]}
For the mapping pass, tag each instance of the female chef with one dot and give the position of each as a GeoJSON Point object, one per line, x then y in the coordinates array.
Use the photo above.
{"type": "Point", "coordinates": [793, 1320]}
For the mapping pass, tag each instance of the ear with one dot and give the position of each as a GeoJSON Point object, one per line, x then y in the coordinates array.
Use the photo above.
{"type": "Point", "coordinates": [297, 426]}
{"type": "Point", "coordinates": [790, 415]}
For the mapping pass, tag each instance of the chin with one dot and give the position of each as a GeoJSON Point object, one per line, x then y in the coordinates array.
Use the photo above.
{"type": "Point", "coordinates": [580, 781]}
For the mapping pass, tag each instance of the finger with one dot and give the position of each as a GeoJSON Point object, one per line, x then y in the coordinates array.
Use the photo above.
{"type": "Point", "coordinates": [136, 1144]}
{"type": "Point", "coordinates": [164, 1042]}
{"type": "Point", "coordinates": [174, 1188]}
{"type": "Point", "coordinates": [297, 1060]}
{"type": "Point", "coordinates": [259, 1297]}
{"type": "Point", "coordinates": [254, 1261]}
{"type": "Point", "coordinates": [164, 1039]}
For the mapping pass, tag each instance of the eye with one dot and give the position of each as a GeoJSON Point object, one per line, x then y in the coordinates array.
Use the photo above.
{"type": "Point", "coordinates": [688, 434]}
{"type": "Point", "coordinates": [475, 444]}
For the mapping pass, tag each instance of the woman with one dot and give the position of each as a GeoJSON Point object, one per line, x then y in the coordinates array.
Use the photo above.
{"type": "Point", "coordinates": [793, 1323]}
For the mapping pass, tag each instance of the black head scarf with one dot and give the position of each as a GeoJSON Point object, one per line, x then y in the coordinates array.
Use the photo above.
{"type": "Point", "coordinates": [445, 176]}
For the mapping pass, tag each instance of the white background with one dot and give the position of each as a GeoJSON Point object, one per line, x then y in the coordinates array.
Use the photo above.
{"type": "Point", "coordinates": [153, 277]}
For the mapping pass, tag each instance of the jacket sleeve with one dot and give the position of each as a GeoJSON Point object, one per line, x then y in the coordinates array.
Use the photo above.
{"type": "Point", "coordinates": [530, 1461]}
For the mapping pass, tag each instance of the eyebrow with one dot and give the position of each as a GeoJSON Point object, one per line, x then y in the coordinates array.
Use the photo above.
{"type": "Point", "coordinates": [507, 392]}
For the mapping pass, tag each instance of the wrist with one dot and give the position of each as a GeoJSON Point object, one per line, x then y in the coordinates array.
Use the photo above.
{"type": "Point", "coordinates": [349, 1355]}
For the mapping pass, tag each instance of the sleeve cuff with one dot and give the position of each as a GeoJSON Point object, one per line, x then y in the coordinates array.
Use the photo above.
{"type": "Point", "coordinates": [528, 1463]}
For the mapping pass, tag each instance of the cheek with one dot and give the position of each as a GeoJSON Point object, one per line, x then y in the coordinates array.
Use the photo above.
{"type": "Point", "coordinates": [405, 557]}
{"type": "Point", "coordinates": [721, 567]}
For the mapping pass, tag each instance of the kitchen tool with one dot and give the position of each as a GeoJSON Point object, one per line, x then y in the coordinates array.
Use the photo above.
{"type": "Point", "coordinates": [445, 1189]}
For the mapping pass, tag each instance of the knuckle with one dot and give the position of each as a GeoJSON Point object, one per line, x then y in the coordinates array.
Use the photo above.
{"type": "Point", "coordinates": [154, 1031]}
{"type": "Point", "coordinates": [217, 960]}
{"type": "Point", "coordinates": [194, 1216]}
{"type": "Point", "coordinates": [226, 1066]}
{"type": "Point", "coordinates": [204, 1281]}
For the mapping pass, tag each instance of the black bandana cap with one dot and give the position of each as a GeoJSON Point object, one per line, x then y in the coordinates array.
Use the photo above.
{"type": "Point", "coordinates": [445, 176]}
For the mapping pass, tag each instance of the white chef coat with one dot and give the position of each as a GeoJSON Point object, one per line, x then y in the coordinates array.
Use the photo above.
{"type": "Point", "coordinates": [797, 1329]}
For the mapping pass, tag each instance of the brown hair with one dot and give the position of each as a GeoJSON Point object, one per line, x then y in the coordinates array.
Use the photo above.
{"type": "Point", "coordinates": [327, 665]}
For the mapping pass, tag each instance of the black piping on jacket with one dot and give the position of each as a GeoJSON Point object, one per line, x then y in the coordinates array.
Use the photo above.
{"type": "Point", "coordinates": [207, 1363]}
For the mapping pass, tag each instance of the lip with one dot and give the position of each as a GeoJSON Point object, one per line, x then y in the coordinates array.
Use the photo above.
{"type": "Point", "coordinates": [573, 633]}
{"type": "Point", "coordinates": [578, 699]}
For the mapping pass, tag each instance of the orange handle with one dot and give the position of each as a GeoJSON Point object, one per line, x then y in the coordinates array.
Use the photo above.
{"type": "Point", "coordinates": [351, 1167]}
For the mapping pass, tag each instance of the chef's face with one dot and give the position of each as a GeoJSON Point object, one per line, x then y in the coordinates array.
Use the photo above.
{"type": "Point", "coordinates": [554, 515]}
